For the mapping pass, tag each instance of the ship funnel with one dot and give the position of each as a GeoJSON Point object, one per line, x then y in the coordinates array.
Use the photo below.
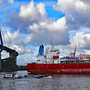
{"type": "Point", "coordinates": [41, 50]}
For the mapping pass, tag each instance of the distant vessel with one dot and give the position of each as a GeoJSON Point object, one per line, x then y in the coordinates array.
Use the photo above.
{"type": "Point", "coordinates": [51, 63]}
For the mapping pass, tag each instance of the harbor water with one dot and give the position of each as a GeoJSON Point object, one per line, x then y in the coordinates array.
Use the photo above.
{"type": "Point", "coordinates": [57, 82]}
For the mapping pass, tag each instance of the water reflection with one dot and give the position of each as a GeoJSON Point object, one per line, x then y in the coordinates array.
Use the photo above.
{"type": "Point", "coordinates": [57, 82]}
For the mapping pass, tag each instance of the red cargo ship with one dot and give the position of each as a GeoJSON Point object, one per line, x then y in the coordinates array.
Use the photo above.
{"type": "Point", "coordinates": [49, 63]}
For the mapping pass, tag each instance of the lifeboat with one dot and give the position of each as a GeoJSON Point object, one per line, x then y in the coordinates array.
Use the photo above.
{"type": "Point", "coordinates": [55, 56]}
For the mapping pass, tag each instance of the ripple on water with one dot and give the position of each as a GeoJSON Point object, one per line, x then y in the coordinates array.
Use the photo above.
{"type": "Point", "coordinates": [57, 82]}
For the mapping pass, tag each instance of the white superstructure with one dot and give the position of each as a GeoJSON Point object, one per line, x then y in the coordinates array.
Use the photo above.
{"type": "Point", "coordinates": [51, 56]}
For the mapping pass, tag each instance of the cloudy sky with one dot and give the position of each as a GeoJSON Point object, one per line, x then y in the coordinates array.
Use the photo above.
{"type": "Point", "coordinates": [30, 23]}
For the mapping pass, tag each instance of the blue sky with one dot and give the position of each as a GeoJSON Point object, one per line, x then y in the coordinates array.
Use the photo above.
{"type": "Point", "coordinates": [30, 23]}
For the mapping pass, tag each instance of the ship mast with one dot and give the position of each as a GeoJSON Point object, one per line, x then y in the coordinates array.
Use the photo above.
{"type": "Point", "coordinates": [51, 45]}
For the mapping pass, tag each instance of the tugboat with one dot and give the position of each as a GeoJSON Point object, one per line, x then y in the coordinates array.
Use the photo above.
{"type": "Point", "coordinates": [50, 63]}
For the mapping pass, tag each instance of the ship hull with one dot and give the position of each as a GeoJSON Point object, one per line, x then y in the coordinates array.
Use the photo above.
{"type": "Point", "coordinates": [62, 68]}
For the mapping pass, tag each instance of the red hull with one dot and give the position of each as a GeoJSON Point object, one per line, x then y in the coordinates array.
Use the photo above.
{"type": "Point", "coordinates": [62, 68]}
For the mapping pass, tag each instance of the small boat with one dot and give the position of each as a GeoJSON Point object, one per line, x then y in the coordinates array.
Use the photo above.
{"type": "Point", "coordinates": [14, 77]}
{"type": "Point", "coordinates": [48, 77]}
{"type": "Point", "coordinates": [42, 76]}
{"type": "Point", "coordinates": [38, 76]}
{"type": "Point", "coordinates": [25, 76]}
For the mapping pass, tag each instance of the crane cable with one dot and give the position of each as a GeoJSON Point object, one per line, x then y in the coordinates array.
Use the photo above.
{"type": "Point", "coordinates": [2, 34]}
{"type": "Point", "coordinates": [6, 33]}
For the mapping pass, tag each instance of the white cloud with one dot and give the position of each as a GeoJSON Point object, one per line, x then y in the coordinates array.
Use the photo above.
{"type": "Point", "coordinates": [81, 39]}
{"type": "Point", "coordinates": [76, 12]}
{"type": "Point", "coordinates": [33, 13]}
{"type": "Point", "coordinates": [87, 52]}
{"type": "Point", "coordinates": [84, 29]}
{"type": "Point", "coordinates": [28, 14]}
{"type": "Point", "coordinates": [32, 21]}
{"type": "Point", "coordinates": [22, 49]}
{"type": "Point", "coordinates": [14, 41]}
{"type": "Point", "coordinates": [4, 54]}
{"type": "Point", "coordinates": [59, 25]}
{"type": "Point", "coordinates": [71, 5]}
{"type": "Point", "coordinates": [28, 39]}
{"type": "Point", "coordinates": [64, 5]}
{"type": "Point", "coordinates": [11, 1]}
{"type": "Point", "coordinates": [1, 1]}
{"type": "Point", "coordinates": [28, 50]}
{"type": "Point", "coordinates": [24, 59]}
{"type": "Point", "coordinates": [41, 8]}
{"type": "Point", "coordinates": [44, 31]}
{"type": "Point", "coordinates": [13, 38]}
{"type": "Point", "coordinates": [19, 49]}
{"type": "Point", "coordinates": [81, 6]}
{"type": "Point", "coordinates": [38, 29]}
{"type": "Point", "coordinates": [54, 26]}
